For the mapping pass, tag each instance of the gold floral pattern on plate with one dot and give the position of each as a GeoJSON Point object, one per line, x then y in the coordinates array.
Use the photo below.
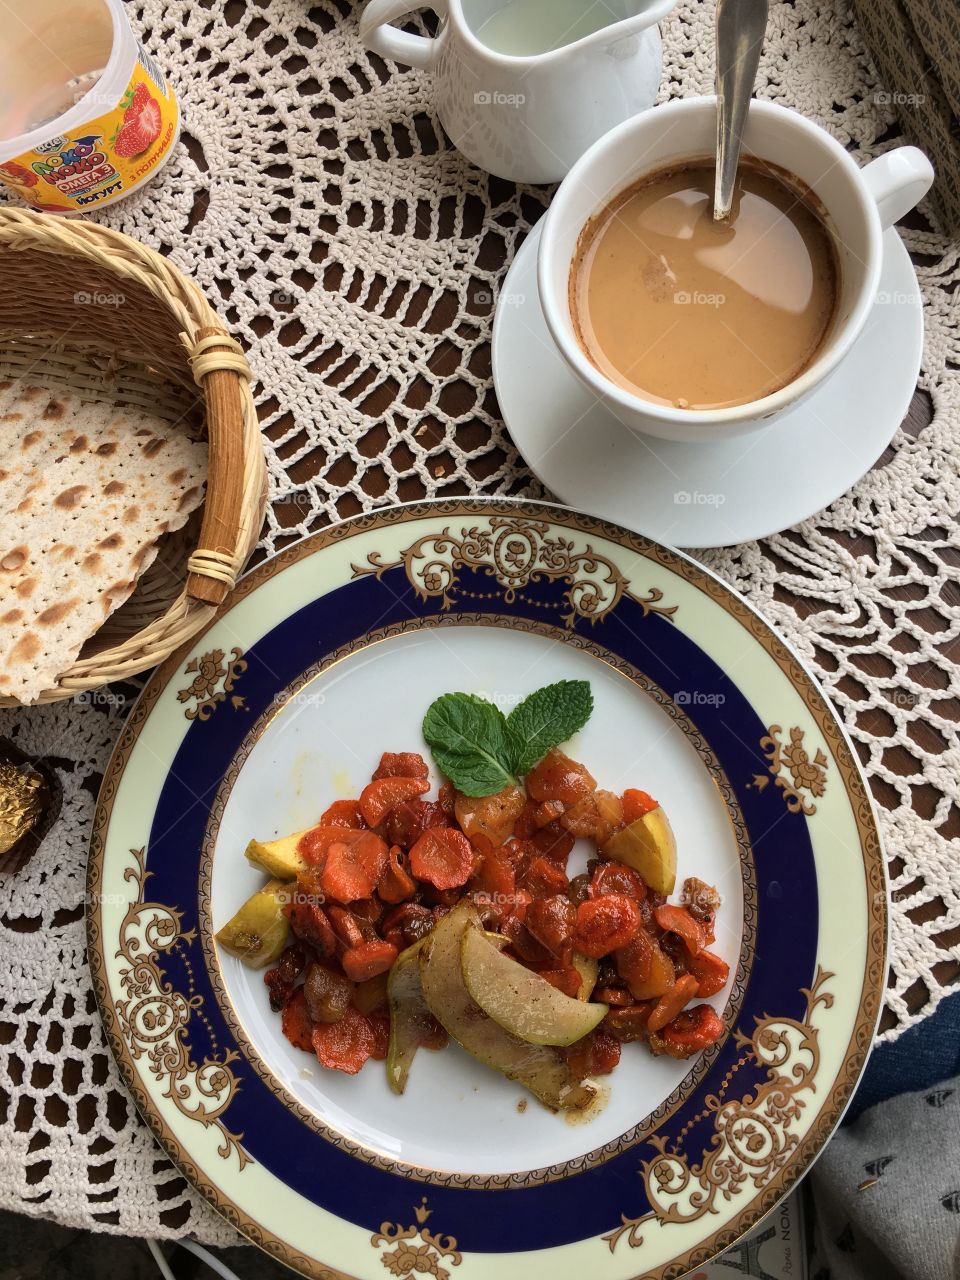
{"type": "Point", "coordinates": [155, 1018]}
{"type": "Point", "coordinates": [806, 775]}
{"type": "Point", "coordinates": [416, 1251]}
{"type": "Point", "coordinates": [516, 552]}
{"type": "Point", "coordinates": [214, 676]}
{"type": "Point", "coordinates": [753, 1138]}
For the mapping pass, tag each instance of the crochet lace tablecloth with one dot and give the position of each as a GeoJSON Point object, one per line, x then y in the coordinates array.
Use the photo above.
{"type": "Point", "coordinates": [316, 201]}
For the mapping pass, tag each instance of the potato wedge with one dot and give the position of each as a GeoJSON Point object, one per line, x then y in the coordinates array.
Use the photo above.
{"type": "Point", "coordinates": [259, 931]}
{"type": "Point", "coordinates": [521, 1001]}
{"type": "Point", "coordinates": [648, 845]}
{"type": "Point", "coordinates": [539, 1067]}
{"type": "Point", "coordinates": [278, 857]}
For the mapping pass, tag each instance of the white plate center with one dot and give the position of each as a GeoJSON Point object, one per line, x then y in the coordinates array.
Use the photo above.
{"type": "Point", "coordinates": [456, 1115]}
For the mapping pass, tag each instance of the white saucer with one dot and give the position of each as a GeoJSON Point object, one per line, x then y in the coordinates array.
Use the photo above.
{"type": "Point", "coordinates": [695, 495]}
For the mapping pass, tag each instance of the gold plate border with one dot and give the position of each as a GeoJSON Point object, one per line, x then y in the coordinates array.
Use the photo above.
{"type": "Point", "coordinates": [442, 1177]}
{"type": "Point", "coordinates": [835, 1099]}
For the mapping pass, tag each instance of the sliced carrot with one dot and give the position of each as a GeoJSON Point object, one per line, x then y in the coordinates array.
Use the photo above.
{"type": "Point", "coordinates": [554, 842]}
{"type": "Point", "coordinates": [353, 866]}
{"type": "Point", "coordinates": [669, 1005]}
{"type": "Point", "coordinates": [396, 883]}
{"type": "Point", "coordinates": [379, 797]}
{"type": "Point", "coordinates": [443, 857]}
{"type": "Point", "coordinates": [544, 879]}
{"type": "Point", "coordinates": [309, 922]}
{"type": "Point", "coordinates": [401, 764]}
{"type": "Point", "coordinates": [343, 813]}
{"type": "Point", "coordinates": [552, 921]}
{"type": "Point", "coordinates": [368, 960]}
{"type": "Point", "coordinates": [407, 924]}
{"type": "Point", "coordinates": [606, 924]}
{"type": "Point", "coordinates": [629, 1023]}
{"type": "Point", "coordinates": [496, 882]}
{"type": "Point", "coordinates": [524, 945]}
{"type": "Point", "coordinates": [594, 1055]}
{"type": "Point", "coordinates": [710, 972]}
{"type": "Point", "coordinates": [521, 904]}
{"type": "Point", "coordinates": [369, 909]}
{"type": "Point", "coordinates": [566, 980]}
{"type": "Point", "coordinates": [345, 1045]}
{"type": "Point", "coordinates": [346, 926]}
{"type": "Point", "coordinates": [678, 920]}
{"type": "Point", "coordinates": [636, 804]}
{"type": "Point", "coordinates": [313, 844]}
{"type": "Point", "coordinates": [690, 1032]}
{"type": "Point", "coordinates": [635, 960]}
{"type": "Point", "coordinates": [615, 877]}
{"type": "Point", "coordinates": [619, 997]}
{"type": "Point", "coordinates": [296, 1023]}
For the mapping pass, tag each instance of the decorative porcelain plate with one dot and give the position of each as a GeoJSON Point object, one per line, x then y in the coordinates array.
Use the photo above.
{"type": "Point", "coordinates": [329, 654]}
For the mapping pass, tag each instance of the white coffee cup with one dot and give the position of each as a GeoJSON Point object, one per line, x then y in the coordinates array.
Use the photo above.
{"type": "Point", "coordinates": [527, 118]}
{"type": "Point", "coordinates": [859, 205]}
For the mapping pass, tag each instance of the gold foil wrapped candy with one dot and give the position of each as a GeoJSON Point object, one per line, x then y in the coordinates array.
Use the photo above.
{"type": "Point", "coordinates": [29, 804]}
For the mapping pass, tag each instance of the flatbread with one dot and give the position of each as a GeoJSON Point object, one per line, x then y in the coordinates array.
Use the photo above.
{"type": "Point", "coordinates": [86, 489]}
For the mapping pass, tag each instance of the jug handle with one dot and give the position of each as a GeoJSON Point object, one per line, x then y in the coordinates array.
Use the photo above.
{"type": "Point", "coordinates": [400, 46]}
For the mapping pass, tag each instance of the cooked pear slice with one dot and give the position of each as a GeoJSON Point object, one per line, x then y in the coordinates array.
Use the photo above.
{"type": "Point", "coordinates": [521, 1001]}
{"type": "Point", "coordinates": [408, 1009]}
{"type": "Point", "coordinates": [589, 971]}
{"type": "Point", "coordinates": [259, 931]}
{"type": "Point", "coordinates": [278, 857]}
{"type": "Point", "coordinates": [648, 845]}
{"type": "Point", "coordinates": [539, 1067]}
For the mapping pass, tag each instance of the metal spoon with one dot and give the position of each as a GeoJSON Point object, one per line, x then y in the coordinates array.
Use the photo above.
{"type": "Point", "coordinates": [740, 28]}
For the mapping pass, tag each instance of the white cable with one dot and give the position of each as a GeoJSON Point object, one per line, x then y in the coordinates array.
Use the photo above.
{"type": "Point", "coordinates": [206, 1256]}
{"type": "Point", "coordinates": [160, 1260]}
{"type": "Point", "coordinates": [198, 1250]}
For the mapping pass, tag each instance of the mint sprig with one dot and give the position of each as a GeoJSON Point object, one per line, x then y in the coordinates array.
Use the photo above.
{"type": "Point", "coordinates": [482, 751]}
{"type": "Point", "coordinates": [468, 737]}
{"type": "Point", "coordinates": [548, 717]}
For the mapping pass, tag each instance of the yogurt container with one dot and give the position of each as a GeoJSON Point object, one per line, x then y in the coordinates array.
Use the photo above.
{"type": "Point", "coordinates": [86, 115]}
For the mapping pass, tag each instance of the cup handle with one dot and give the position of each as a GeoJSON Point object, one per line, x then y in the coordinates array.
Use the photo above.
{"type": "Point", "coordinates": [898, 181]}
{"type": "Point", "coordinates": [400, 46]}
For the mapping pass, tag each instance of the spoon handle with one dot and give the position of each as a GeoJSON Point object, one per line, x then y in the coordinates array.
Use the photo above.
{"type": "Point", "coordinates": [740, 29]}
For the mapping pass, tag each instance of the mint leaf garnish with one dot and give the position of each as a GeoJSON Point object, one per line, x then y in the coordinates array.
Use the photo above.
{"type": "Point", "coordinates": [545, 719]}
{"type": "Point", "coordinates": [468, 738]}
{"type": "Point", "coordinates": [481, 751]}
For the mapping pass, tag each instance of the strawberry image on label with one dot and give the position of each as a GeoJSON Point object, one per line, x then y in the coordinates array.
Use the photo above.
{"type": "Point", "coordinates": [141, 123]}
{"type": "Point", "coordinates": [17, 173]}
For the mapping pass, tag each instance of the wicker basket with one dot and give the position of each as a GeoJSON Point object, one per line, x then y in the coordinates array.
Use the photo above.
{"type": "Point", "coordinates": [152, 341]}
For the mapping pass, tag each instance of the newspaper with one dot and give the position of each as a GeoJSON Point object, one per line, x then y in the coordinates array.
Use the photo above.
{"type": "Point", "coordinates": [775, 1250]}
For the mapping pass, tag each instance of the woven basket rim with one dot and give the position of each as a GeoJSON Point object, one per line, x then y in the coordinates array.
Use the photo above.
{"type": "Point", "coordinates": [128, 259]}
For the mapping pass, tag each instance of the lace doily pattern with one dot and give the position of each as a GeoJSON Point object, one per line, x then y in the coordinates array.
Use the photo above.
{"type": "Point", "coordinates": [357, 257]}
